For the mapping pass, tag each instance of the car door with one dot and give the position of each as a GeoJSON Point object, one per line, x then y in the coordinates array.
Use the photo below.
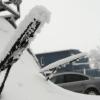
{"type": "Point", "coordinates": [73, 82]}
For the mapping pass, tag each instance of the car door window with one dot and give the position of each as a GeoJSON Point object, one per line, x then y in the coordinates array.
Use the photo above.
{"type": "Point", "coordinates": [58, 79]}
{"type": "Point", "coordinates": [74, 77]}
{"type": "Point", "coordinates": [65, 78]}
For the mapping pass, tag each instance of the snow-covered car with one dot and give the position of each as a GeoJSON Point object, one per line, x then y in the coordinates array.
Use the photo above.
{"type": "Point", "coordinates": [77, 82]}
{"type": "Point", "coordinates": [25, 82]}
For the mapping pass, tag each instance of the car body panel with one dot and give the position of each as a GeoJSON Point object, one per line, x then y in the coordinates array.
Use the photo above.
{"type": "Point", "coordinates": [72, 83]}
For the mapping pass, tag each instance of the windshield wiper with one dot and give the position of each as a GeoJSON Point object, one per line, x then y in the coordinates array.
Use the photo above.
{"type": "Point", "coordinates": [58, 64]}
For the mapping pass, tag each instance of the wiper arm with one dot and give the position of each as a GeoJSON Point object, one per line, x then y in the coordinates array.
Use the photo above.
{"type": "Point", "coordinates": [63, 61]}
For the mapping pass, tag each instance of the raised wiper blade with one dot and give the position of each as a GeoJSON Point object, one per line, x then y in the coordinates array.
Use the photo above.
{"type": "Point", "coordinates": [63, 61]}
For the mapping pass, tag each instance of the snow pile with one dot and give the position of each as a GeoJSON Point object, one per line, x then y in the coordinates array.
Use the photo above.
{"type": "Point", "coordinates": [39, 13]}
